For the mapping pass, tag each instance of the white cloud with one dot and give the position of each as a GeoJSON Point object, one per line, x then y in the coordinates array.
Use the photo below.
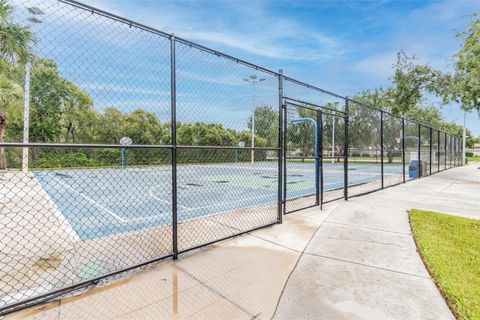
{"type": "Point", "coordinates": [250, 28]}
{"type": "Point", "coordinates": [378, 66]}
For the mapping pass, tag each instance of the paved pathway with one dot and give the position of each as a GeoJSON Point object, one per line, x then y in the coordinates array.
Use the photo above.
{"type": "Point", "coordinates": [362, 262]}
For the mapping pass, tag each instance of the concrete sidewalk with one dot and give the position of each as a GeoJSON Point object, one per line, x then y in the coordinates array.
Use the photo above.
{"type": "Point", "coordinates": [363, 264]}
{"type": "Point", "coordinates": [353, 260]}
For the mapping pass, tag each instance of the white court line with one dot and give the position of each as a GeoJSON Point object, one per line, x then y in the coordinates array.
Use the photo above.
{"type": "Point", "coordinates": [124, 221]}
{"type": "Point", "coordinates": [91, 201]}
{"type": "Point", "coordinates": [222, 212]}
{"type": "Point", "coordinates": [209, 206]}
{"type": "Point", "coordinates": [187, 209]}
{"type": "Point", "coordinates": [148, 218]}
{"type": "Point", "coordinates": [233, 167]}
{"type": "Point", "coordinates": [161, 200]}
{"type": "Point", "coordinates": [227, 202]}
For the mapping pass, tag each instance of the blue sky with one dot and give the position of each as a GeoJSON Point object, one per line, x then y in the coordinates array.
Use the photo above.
{"type": "Point", "coordinates": [343, 46]}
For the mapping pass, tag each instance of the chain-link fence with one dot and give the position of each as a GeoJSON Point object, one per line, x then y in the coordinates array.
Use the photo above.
{"type": "Point", "coordinates": [124, 145]}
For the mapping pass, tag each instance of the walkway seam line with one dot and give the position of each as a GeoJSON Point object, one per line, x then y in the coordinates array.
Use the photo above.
{"type": "Point", "coordinates": [368, 266]}
{"type": "Point", "coordinates": [369, 228]}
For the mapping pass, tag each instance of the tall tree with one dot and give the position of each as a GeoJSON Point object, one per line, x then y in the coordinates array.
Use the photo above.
{"type": "Point", "coordinates": [464, 85]}
{"type": "Point", "coordinates": [266, 124]}
{"type": "Point", "coordinates": [410, 83]}
{"type": "Point", "coordinates": [301, 135]}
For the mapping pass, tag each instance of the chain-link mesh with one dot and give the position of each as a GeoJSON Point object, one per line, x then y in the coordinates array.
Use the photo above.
{"type": "Point", "coordinates": [221, 199]}
{"type": "Point", "coordinates": [435, 152]}
{"type": "Point", "coordinates": [448, 152]}
{"type": "Point", "coordinates": [411, 138]}
{"type": "Point", "coordinates": [441, 137]}
{"type": "Point", "coordinates": [301, 157]}
{"type": "Point", "coordinates": [333, 146]}
{"type": "Point", "coordinates": [223, 103]}
{"type": "Point", "coordinates": [309, 102]}
{"type": "Point", "coordinates": [65, 222]}
{"type": "Point", "coordinates": [393, 168]}
{"type": "Point", "coordinates": [100, 193]}
{"type": "Point", "coordinates": [365, 157]}
{"type": "Point", "coordinates": [121, 145]}
{"type": "Point", "coordinates": [425, 151]}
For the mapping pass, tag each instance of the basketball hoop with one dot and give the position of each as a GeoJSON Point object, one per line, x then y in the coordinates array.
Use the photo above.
{"type": "Point", "coordinates": [125, 141]}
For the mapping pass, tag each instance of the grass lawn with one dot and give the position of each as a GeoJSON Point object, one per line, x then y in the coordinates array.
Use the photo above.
{"type": "Point", "coordinates": [450, 248]}
{"type": "Point", "coordinates": [470, 159]}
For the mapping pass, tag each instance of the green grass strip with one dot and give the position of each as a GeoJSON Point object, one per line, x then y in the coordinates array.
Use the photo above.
{"type": "Point", "coordinates": [450, 248]}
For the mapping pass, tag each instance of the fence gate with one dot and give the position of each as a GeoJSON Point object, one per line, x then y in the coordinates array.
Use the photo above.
{"type": "Point", "coordinates": [313, 134]}
{"type": "Point", "coordinates": [301, 156]}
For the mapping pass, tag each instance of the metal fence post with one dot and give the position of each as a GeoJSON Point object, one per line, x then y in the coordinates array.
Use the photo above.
{"type": "Point", "coordinates": [403, 149]}
{"type": "Point", "coordinates": [280, 146]}
{"type": "Point", "coordinates": [438, 151]}
{"type": "Point", "coordinates": [320, 152]}
{"type": "Point", "coordinates": [454, 151]}
{"type": "Point", "coordinates": [381, 146]}
{"type": "Point", "coordinates": [458, 151]}
{"type": "Point", "coordinates": [173, 100]}
{"type": "Point", "coordinates": [345, 160]}
{"type": "Point", "coordinates": [430, 160]}
{"type": "Point", "coordinates": [419, 151]}
{"type": "Point", "coordinates": [285, 146]}
{"type": "Point", "coordinates": [445, 145]}
{"type": "Point", "coordinates": [451, 150]}
{"type": "Point", "coordinates": [317, 161]}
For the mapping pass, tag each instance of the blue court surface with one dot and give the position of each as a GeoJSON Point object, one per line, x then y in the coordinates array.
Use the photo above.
{"type": "Point", "coordinates": [106, 201]}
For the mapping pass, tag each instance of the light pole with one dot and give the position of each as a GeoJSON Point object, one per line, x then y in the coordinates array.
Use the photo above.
{"type": "Point", "coordinates": [253, 79]}
{"type": "Point", "coordinates": [34, 11]}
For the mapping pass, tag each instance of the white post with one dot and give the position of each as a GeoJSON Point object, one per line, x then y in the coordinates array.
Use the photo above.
{"type": "Point", "coordinates": [26, 116]}
{"type": "Point", "coordinates": [253, 79]}
{"type": "Point", "coordinates": [333, 140]}
{"type": "Point", "coordinates": [464, 142]}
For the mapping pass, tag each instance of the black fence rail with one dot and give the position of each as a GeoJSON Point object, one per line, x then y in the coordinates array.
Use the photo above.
{"type": "Point", "coordinates": [135, 145]}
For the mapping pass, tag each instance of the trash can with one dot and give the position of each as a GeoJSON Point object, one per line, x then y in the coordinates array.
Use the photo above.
{"type": "Point", "coordinates": [413, 169]}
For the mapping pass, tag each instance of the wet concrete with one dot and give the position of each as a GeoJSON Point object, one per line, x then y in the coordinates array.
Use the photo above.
{"type": "Point", "coordinates": [241, 278]}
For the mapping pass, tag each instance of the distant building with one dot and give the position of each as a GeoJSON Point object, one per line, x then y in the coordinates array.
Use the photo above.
{"type": "Point", "coordinates": [476, 146]}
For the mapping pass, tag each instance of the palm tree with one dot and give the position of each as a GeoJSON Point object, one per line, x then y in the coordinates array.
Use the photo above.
{"type": "Point", "coordinates": [15, 50]}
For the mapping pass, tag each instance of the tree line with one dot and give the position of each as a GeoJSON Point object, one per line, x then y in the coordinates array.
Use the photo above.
{"type": "Point", "coordinates": [60, 111]}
